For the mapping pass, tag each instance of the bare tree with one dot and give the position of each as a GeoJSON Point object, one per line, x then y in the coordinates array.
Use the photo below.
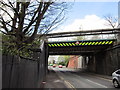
{"type": "Point", "coordinates": [27, 19]}
{"type": "Point", "coordinates": [111, 21]}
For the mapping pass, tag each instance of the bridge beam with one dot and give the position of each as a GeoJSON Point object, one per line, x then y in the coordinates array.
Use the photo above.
{"type": "Point", "coordinates": [84, 33]}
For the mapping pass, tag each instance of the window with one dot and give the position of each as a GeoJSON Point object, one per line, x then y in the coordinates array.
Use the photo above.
{"type": "Point", "coordinates": [118, 72]}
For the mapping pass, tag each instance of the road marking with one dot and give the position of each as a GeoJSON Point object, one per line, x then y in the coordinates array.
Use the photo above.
{"type": "Point", "coordinates": [104, 79]}
{"type": "Point", "coordinates": [97, 83]}
{"type": "Point", "coordinates": [69, 85]}
{"type": "Point", "coordinates": [97, 76]}
{"type": "Point", "coordinates": [61, 78]}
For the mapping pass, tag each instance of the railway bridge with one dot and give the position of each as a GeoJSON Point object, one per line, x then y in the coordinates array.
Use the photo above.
{"type": "Point", "coordinates": [103, 55]}
{"type": "Point", "coordinates": [100, 56]}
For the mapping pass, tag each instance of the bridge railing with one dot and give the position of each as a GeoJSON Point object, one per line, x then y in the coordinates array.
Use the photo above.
{"type": "Point", "coordinates": [84, 33]}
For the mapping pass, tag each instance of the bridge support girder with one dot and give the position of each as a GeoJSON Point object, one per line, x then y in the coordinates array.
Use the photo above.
{"type": "Point", "coordinates": [91, 66]}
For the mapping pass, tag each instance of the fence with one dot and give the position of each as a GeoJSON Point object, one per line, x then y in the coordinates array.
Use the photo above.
{"type": "Point", "coordinates": [23, 73]}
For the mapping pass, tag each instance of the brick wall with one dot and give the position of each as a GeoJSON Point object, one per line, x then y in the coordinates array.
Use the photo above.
{"type": "Point", "coordinates": [73, 62]}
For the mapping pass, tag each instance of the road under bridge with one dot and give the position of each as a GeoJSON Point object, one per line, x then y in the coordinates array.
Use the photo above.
{"type": "Point", "coordinates": [103, 55]}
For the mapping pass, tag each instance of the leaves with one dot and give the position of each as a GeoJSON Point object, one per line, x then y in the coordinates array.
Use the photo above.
{"type": "Point", "coordinates": [63, 60]}
{"type": "Point", "coordinates": [9, 47]}
{"type": "Point", "coordinates": [20, 22]}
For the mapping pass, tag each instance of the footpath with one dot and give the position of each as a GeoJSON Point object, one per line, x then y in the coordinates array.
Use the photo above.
{"type": "Point", "coordinates": [53, 82]}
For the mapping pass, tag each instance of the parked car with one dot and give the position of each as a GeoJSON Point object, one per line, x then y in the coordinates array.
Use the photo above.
{"type": "Point", "coordinates": [60, 66]}
{"type": "Point", "coordinates": [51, 64]}
{"type": "Point", "coordinates": [116, 78]}
{"type": "Point", "coordinates": [54, 65]}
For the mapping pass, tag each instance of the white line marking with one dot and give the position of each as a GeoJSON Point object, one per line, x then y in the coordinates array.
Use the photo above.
{"type": "Point", "coordinates": [69, 85]}
{"type": "Point", "coordinates": [97, 76]}
{"type": "Point", "coordinates": [97, 83]}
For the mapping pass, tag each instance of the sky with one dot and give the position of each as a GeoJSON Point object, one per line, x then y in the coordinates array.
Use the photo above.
{"type": "Point", "coordinates": [88, 16]}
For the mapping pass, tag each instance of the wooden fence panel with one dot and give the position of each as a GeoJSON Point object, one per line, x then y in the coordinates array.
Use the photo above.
{"type": "Point", "coordinates": [30, 74]}
{"type": "Point", "coordinates": [22, 73]}
{"type": "Point", "coordinates": [6, 70]}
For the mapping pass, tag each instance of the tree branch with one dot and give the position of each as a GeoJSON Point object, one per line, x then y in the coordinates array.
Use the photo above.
{"type": "Point", "coordinates": [22, 15]}
{"type": "Point", "coordinates": [7, 13]}
{"type": "Point", "coordinates": [39, 18]}
{"type": "Point", "coordinates": [33, 18]}
{"type": "Point", "coordinates": [3, 23]}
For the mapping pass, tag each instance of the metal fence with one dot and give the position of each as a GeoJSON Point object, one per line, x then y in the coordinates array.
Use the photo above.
{"type": "Point", "coordinates": [24, 73]}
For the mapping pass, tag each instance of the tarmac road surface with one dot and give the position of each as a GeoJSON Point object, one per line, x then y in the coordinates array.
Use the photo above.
{"type": "Point", "coordinates": [75, 79]}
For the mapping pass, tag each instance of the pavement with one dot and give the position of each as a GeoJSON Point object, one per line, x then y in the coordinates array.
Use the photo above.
{"type": "Point", "coordinates": [53, 81]}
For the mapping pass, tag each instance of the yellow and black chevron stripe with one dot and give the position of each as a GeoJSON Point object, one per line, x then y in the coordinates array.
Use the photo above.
{"type": "Point", "coordinates": [82, 43]}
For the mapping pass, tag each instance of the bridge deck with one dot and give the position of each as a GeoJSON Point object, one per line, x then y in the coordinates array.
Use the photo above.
{"type": "Point", "coordinates": [79, 47]}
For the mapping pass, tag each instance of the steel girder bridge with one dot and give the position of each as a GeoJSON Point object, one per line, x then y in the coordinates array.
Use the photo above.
{"type": "Point", "coordinates": [84, 47]}
{"type": "Point", "coordinates": [80, 47]}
